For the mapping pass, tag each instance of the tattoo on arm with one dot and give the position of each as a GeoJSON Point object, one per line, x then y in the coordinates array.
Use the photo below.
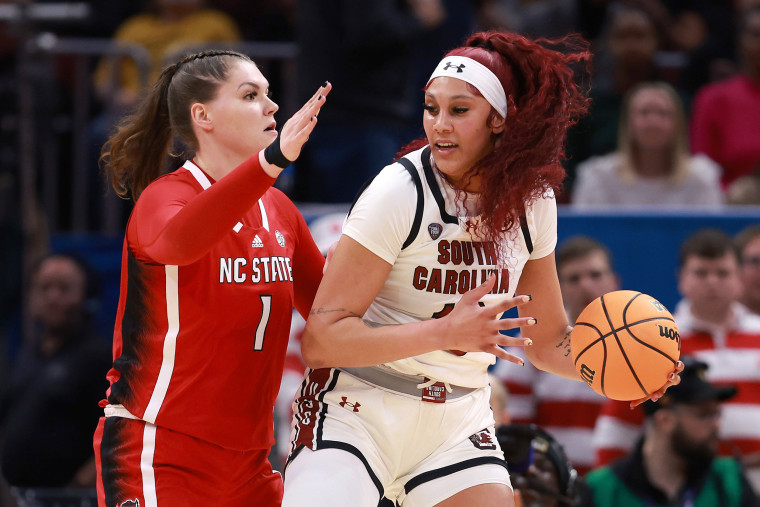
{"type": "Point", "coordinates": [564, 343]}
{"type": "Point", "coordinates": [322, 311]}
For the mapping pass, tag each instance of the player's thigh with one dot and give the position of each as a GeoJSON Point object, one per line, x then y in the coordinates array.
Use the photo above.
{"type": "Point", "coordinates": [328, 477]}
{"type": "Point", "coordinates": [483, 495]}
{"type": "Point", "coordinates": [483, 485]}
{"type": "Point", "coordinates": [476, 460]}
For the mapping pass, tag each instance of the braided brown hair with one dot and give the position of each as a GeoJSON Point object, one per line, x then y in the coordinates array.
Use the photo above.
{"type": "Point", "coordinates": [137, 152]}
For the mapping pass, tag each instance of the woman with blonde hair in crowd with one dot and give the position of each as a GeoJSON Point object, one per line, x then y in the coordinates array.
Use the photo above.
{"type": "Point", "coordinates": [652, 165]}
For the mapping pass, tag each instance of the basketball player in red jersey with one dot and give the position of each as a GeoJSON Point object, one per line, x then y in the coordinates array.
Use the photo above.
{"type": "Point", "coordinates": [406, 320]}
{"type": "Point", "coordinates": [214, 261]}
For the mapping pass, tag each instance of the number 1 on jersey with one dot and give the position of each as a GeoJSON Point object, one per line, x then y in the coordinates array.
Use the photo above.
{"type": "Point", "coordinates": [261, 329]}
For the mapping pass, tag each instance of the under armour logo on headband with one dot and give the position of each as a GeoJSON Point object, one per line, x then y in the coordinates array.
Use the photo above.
{"type": "Point", "coordinates": [478, 75]}
{"type": "Point", "coordinates": [457, 67]}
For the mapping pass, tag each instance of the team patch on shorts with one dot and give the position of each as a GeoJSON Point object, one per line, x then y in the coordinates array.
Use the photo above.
{"type": "Point", "coordinates": [483, 440]}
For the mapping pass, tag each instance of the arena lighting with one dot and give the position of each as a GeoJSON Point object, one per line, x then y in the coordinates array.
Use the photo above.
{"type": "Point", "coordinates": [64, 11]}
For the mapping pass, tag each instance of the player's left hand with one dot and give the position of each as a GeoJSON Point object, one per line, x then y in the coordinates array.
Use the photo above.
{"type": "Point", "coordinates": [297, 129]}
{"type": "Point", "coordinates": [674, 378]}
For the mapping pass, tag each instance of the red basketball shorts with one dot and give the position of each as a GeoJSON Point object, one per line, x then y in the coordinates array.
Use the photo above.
{"type": "Point", "coordinates": [142, 465]}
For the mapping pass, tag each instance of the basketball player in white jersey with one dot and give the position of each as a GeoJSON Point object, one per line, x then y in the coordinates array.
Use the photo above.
{"type": "Point", "coordinates": [406, 321]}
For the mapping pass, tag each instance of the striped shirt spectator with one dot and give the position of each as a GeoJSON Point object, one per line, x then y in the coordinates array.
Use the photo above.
{"type": "Point", "coordinates": [714, 328]}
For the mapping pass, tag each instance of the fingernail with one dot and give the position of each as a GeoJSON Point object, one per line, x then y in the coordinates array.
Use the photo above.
{"type": "Point", "coordinates": [671, 376]}
{"type": "Point", "coordinates": [528, 342]}
{"type": "Point", "coordinates": [532, 321]}
{"type": "Point", "coordinates": [324, 85]}
{"type": "Point", "coordinates": [313, 117]}
{"type": "Point", "coordinates": [521, 363]}
{"type": "Point", "coordinates": [655, 397]}
{"type": "Point", "coordinates": [527, 298]}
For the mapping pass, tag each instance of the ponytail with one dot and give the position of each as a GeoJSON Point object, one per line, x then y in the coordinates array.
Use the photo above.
{"type": "Point", "coordinates": [135, 155]}
{"type": "Point", "coordinates": [547, 84]}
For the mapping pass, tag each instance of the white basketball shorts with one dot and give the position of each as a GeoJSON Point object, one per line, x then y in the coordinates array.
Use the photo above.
{"type": "Point", "coordinates": [415, 452]}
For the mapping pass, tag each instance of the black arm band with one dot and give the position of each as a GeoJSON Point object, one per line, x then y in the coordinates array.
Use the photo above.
{"type": "Point", "coordinates": [273, 154]}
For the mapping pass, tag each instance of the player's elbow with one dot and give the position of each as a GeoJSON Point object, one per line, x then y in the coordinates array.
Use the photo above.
{"type": "Point", "coordinates": [551, 352]}
{"type": "Point", "coordinates": [314, 353]}
{"type": "Point", "coordinates": [539, 357]}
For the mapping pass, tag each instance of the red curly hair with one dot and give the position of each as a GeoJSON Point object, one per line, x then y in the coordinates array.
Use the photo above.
{"type": "Point", "coordinates": [546, 82]}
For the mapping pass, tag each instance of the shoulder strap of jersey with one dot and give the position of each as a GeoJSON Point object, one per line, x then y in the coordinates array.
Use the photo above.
{"type": "Point", "coordinates": [359, 193]}
{"type": "Point", "coordinates": [409, 166]}
{"type": "Point", "coordinates": [412, 170]}
{"type": "Point", "coordinates": [526, 233]}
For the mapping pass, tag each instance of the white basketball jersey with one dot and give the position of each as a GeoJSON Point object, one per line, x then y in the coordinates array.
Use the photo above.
{"type": "Point", "coordinates": [435, 260]}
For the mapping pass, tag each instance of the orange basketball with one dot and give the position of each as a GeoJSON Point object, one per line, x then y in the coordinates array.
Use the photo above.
{"type": "Point", "coordinates": [624, 345]}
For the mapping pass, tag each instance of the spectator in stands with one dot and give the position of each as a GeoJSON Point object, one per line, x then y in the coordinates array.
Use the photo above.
{"type": "Point", "coordinates": [652, 165]}
{"type": "Point", "coordinates": [726, 115]}
{"type": "Point", "coordinates": [586, 271]}
{"type": "Point", "coordinates": [703, 34]}
{"type": "Point", "coordinates": [51, 408]}
{"type": "Point", "coordinates": [262, 20]}
{"type": "Point", "coordinates": [541, 474]}
{"type": "Point", "coordinates": [744, 191]}
{"type": "Point", "coordinates": [165, 29]}
{"type": "Point", "coordinates": [499, 400]}
{"type": "Point", "coordinates": [566, 409]}
{"type": "Point", "coordinates": [717, 329]}
{"type": "Point", "coordinates": [532, 18]}
{"type": "Point", "coordinates": [367, 50]}
{"type": "Point", "coordinates": [625, 56]}
{"type": "Point", "coordinates": [748, 243]}
{"type": "Point", "coordinates": [675, 462]}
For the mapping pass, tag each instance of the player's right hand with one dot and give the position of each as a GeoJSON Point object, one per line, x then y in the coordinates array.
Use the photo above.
{"type": "Point", "coordinates": [298, 128]}
{"type": "Point", "coordinates": [674, 378]}
{"type": "Point", "coordinates": [473, 327]}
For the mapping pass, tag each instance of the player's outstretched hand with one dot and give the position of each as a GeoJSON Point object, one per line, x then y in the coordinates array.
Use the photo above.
{"type": "Point", "coordinates": [473, 327]}
{"type": "Point", "coordinates": [674, 378]}
{"type": "Point", "coordinates": [298, 128]}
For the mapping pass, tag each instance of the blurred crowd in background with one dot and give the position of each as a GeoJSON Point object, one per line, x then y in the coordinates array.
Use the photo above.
{"type": "Point", "coordinates": [674, 88]}
{"type": "Point", "coordinates": [675, 123]}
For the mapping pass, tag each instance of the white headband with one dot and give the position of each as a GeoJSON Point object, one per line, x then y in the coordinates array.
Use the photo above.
{"type": "Point", "coordinates": [478, 75]}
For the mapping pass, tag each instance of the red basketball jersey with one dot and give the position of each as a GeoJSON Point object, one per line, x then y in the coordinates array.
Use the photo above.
{"type": "Point", "coordinates": [199, 348]}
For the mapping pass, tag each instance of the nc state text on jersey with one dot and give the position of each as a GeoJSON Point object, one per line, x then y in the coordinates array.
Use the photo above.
{"type": "Point", "coordinates": [260, 269]}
